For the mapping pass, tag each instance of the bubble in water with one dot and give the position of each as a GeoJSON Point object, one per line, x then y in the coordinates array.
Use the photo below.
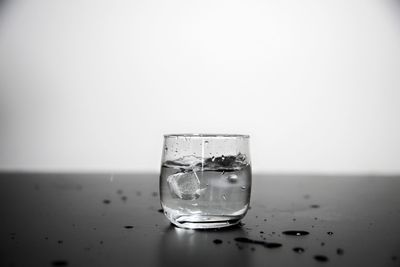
{"type": "Point", "coordinates": [223, 197]}
{"type": "Point", "coordinates": [243, 187]}
{"type": "Point", "coordinates": [232, 178]}
{"type": "Point", "coordinates": [330, 233]}
{"type": "Point", "coordinates": [184, 185]}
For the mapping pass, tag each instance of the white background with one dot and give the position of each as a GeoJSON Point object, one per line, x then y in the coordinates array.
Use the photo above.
{"type": "Point", "coordinates": [93, 85]}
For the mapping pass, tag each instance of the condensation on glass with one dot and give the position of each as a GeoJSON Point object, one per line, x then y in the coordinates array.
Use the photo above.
{"type": "Point", "coordinates": [205, 179]}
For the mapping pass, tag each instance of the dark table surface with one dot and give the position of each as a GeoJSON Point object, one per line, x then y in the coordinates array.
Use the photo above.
{"type": "Point", "coordinates": [114, 220]}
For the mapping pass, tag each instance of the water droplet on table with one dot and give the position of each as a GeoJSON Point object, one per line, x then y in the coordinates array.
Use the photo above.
{"type": "Point", "coordinates": [258, 242]}
{"type": "Point", "coordinates": [321, 258]}
{"type": "Point", "coordinates": [60, 263]}
{"type": "Point", "coordinates": [295, 233]}
{"type": "Point", "coordinates": [298, 250]}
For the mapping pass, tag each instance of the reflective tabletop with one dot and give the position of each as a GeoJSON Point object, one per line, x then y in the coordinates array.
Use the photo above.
{"type": "Point", "coordinates": [99, 219]}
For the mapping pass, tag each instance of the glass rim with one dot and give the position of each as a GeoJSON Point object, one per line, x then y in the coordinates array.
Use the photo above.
{"type": "Point", "coordinates": [202, 135]}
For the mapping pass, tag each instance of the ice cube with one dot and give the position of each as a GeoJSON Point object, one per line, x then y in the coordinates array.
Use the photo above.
{"type": "Point", "coordinates": [184, 185]}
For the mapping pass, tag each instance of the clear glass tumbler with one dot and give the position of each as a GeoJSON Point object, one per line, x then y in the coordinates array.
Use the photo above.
{"type": "Point", "coordinates": [205, 179]}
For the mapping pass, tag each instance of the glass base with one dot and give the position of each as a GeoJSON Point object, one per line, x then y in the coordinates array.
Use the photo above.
{"type": "Point", "coordinates": [205, 222]}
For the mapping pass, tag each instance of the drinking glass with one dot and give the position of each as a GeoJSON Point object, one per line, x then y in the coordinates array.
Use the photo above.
{"type": "Point", "coordinates": [205, 179]}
